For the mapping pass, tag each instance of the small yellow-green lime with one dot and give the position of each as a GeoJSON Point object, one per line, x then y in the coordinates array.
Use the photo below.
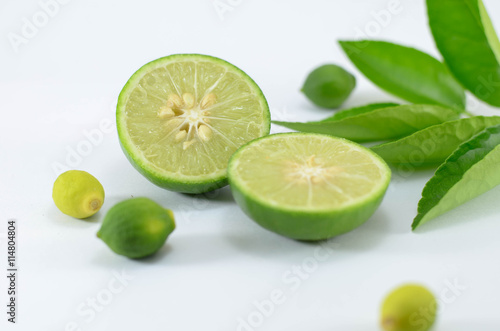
{"type": "Point", "coordinates": [328, 86]}
{"type": "Point", "coordinates": [77, 193]}
{"type": "Point", "coordinates": [136, 227]}
{"type": "Point", "coordinates": [410, 307]}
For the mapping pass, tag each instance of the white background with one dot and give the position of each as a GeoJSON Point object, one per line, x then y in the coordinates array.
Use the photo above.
{"type": "Point", "coordinates": [64, 82]}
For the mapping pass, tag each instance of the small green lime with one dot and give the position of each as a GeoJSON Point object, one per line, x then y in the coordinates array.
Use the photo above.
{"type": "Point", "coordinates": [328, 86]}
{"type": "Point", "coordinates": [410, 307]}
{"type": "Point", "coordinates": [307, 186]}
{"type": "Point", "coordinates": [136, 227]}
{"type": "Point", "coordinates": [77, 193]}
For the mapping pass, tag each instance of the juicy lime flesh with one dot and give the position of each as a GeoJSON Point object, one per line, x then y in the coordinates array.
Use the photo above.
{"type": "Point", "coordinates": [309, 172]}
{"type": "Point", "coordinates": [185, 116]}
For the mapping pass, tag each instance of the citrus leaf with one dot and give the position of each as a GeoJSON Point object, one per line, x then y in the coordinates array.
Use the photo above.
{"type": "Point", "coordinates": [431, 146]}
{"type": "Point", "coordinates": [489, 30]}
{"type": "Point", "coordinates": [379, 124]}
{"type": "Point", "coordinates": [464, 35]}
{"type": "Point", "coordinates": [406, 72]}
{"type": "Point", "coordinates": [469, 172]}
{"type": "Point", "coordinates": [358, 111]}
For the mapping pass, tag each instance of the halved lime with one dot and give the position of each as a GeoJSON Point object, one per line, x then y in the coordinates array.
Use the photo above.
{"type": "Point", "coordinates": [181, 117]}
{"type": "Point", "coordinates": [307, 186]}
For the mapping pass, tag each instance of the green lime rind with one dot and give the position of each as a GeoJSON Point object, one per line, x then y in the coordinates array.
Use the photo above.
{"type": "Point", "coordinates": [378, 124]}
{"type": "Point", "coordinates": [173, 183]}
{"type": "Point", "coordinates": [406, 72]}
{"type": "Point", "coordinates": [328, 86]}
{"type": "Point", "coordinates": [305, 224]}
{"type": "Point", "coordinates": [345, 113]}
{"type": "Point", "coordinates": [467, 45]}
{"type": "Point", "coordinates": [431, 146]}
{"type": "Point", "coordinates": [136, 227]}
{"type": "Point", "coordinates": [170, 181]}
{"type": "Point", "coordinates": [291, 224]}
{"type": "Point", "coordinates": [469, 172]}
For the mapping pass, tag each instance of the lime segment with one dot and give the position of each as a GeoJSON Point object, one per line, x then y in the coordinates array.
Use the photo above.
{"type": "Point", "coordinates": [181, 117]}
{"type": "Point", "coordinates": [307, 186]}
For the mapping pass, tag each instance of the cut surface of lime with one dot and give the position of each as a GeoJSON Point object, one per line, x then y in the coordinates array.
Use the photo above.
{"type": "Point", "coordinates": [181, 117]}
{"type": "Point", "coordinates": [307, 186]}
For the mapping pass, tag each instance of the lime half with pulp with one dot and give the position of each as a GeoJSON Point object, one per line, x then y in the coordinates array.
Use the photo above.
{"type": "Point", "coordinates": [307, 186]}
{"type": "Point", "coordinates": [181, 117]}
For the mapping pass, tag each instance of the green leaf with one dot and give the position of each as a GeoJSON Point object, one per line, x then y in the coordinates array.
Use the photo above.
{"type": "Point", "coordinates": [469, 172]}
{"type": "Point", "coordinates": [431, 146]}
{"type": "Point", "coordinates": [489, 30]}
{"type": "Point", "coordinates": [465, 38]}
{"type": "Point", "coordinates": [379, 124]}
{"type": "Point", "coordinates": [406, 72]}
{"type": "Point", "coordinates": [358, 111]}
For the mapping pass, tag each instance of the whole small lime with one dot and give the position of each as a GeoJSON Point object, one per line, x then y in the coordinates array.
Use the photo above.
{"type": "Point", "coordinates": [77, 193]}
{"type": "Point", "coordinates": [328, 86]}
{"type": "Point", "coordinates": [136, 227]}
{"type": "Point", "coordinates": [410, 307]}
